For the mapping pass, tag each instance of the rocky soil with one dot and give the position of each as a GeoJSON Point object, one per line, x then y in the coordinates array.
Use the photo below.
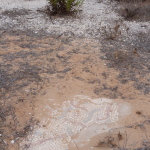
{"type": "Point", "coordinates": [47, 61]}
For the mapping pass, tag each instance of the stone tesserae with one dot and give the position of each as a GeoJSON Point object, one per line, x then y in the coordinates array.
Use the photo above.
{"type": "Point", "coordinates": [75, 117]}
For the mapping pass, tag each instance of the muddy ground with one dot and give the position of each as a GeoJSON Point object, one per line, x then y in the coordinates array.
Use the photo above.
{"type": "Point", "coordinates": [35, 67]}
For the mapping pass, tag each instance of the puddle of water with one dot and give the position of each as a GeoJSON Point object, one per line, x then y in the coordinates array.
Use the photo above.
{"type": "Point", "coordinates": [78, 118]}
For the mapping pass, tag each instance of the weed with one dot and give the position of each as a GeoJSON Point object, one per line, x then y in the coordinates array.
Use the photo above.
{"type": "Point", "coordinates": [120, 136]}
{"type": "Point", "coordinates": [135, 10]}
{"type": "Point", "coordinates": [107, 143]}
{"type": "Point", "coordinates": [62, 7]}
{"type": "Point", "coordinates": [111, 33]}
{"type": "Point", "coordinates": [130, 12]}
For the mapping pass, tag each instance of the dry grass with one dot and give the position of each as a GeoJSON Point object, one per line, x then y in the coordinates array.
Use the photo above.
{"type": "Point", "coordinates": [112, 33]}
{"type": "Point", "coordinates": [120, 58]}
{"type": "Point", "coordinates": [118, 140]}
{"type": "Point", "coordinates": [135, 10]}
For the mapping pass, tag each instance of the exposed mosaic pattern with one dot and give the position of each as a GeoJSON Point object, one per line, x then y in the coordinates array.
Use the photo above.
{"type": "Point", "coordinates": [70, 119]}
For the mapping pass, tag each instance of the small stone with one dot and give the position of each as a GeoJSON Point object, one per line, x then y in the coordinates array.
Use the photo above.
{"type": "Point", "coordinates": [12, 142]}
{"type": "Point", "coordinates": [62, 55]}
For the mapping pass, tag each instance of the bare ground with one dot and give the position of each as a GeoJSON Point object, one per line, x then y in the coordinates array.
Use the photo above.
{"type": "Point", "coordinates": [34, 67]}
{"type": "Point", "coordinates": [37, 67]}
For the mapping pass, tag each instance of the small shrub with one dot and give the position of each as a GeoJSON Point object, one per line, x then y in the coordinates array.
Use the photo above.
{"type": "Point", "coordinates": [64, 6]}
{"type": "Point", "coordinates": [130, 13]}
{"type": "Point", "coordinates": [137, 10]}
{"type": "Point", "coordinates": [112, 33]}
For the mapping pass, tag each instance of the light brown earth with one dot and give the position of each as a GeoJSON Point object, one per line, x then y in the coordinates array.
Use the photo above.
{"type": "Point", "coordinates": [37, 69]}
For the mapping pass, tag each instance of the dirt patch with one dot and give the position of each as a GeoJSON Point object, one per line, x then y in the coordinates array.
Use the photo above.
{"type": "Point", "coordinates": [46, 62]}
{"type": "Point", "coordinates": [34, 70]}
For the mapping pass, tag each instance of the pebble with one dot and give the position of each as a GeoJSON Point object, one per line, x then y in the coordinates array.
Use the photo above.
{"type": "Point", "coordinates": [12, 142]}
{"type": "Point", "coordinates": [62, 54]}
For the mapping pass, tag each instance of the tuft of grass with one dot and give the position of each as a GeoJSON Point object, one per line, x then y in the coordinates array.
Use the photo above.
{"type": "Point", "coordinates": [63, 7]}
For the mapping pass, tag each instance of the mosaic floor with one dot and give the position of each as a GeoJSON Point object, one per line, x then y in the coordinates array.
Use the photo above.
{"type": "Point", "coordinates": [70, 119]}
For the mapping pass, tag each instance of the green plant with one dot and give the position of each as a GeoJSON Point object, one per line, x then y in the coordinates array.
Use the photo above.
{"type": "Point", "coordinates": [64, 6]}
